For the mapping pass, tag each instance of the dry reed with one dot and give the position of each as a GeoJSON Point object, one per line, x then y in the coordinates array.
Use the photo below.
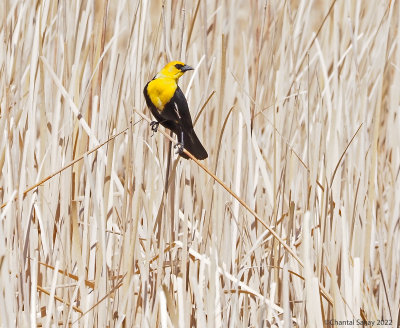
{"type": "Point", "coordinates": [297, 103]}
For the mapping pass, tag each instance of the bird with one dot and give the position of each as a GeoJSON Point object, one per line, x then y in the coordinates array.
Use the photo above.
{"type": "Point", "coordinates": [169, 107]}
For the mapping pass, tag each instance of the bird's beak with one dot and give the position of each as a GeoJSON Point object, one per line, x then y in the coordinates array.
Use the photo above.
{"type": "Point", "coordinates": [187, 68]}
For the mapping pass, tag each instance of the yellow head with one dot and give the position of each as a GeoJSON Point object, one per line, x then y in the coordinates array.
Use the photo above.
{"type": "Point", "coordinates": [173, 70]}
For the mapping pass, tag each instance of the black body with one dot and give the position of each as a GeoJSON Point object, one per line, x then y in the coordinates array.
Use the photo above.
{"type": "Point", "coordinates": [176, 117]}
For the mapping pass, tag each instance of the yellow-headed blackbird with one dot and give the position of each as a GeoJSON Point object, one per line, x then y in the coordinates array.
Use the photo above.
{"type": "Point", "coordinates": [168, 105]}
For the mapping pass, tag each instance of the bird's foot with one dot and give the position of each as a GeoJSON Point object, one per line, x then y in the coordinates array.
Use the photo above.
{"type": "Point", "coordinates": [179, 147]}
{"type": "Point", "coordinates": [154, 126]}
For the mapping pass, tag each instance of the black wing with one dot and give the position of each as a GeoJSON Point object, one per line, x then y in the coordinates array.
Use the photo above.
{"type": "Point", "coordinates": [180, 106]}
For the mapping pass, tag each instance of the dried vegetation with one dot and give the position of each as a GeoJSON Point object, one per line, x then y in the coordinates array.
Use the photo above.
{"type": "Point", "coordinates": [297, 103]}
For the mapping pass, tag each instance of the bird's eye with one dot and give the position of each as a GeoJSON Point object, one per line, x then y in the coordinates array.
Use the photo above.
{"type": "Point", "coordinates": [179, 66]}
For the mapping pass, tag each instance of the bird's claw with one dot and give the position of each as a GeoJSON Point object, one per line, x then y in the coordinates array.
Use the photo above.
{"type": "Point", "coordinates": [154, 126]}
{"type": "Point", "coordinates": [179, 147]}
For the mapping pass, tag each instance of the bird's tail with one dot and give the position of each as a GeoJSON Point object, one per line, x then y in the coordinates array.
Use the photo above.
{"type": "Point", "coordinates": [192, 144]}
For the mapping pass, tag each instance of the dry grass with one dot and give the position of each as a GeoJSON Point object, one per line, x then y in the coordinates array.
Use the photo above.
{"type": "Point", "coordinates": [297, 103]}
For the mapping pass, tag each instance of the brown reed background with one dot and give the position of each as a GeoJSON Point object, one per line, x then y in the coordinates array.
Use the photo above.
{"type": "Point", "coordinates": [297, 103]}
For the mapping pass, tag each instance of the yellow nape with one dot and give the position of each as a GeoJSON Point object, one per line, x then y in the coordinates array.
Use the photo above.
{"type": "Point", "coordinates": [171, 71]}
